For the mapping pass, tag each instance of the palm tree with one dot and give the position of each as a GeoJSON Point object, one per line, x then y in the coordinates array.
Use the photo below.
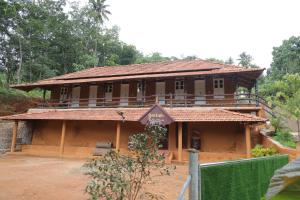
{"type": "Point", "coordinates": [100, 10]}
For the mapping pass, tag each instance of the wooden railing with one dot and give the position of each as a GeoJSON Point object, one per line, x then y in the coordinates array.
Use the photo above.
{"type": "Point", "coordinates": [168, 100]}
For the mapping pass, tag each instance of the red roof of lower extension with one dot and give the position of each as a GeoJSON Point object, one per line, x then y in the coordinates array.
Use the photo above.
{"type": "Point", "coordinates": [134, 114]}
{"type": "Point", "coordinates": [142, 71]}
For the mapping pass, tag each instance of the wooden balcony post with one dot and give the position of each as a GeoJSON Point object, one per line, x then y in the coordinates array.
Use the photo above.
{"type": "Point", "coordinates": [62, 140]}
{"type": "Point", "coordinates": [14, 137]}
{"type": "Point", "coordinates": [248, 140]}
{"type": "Point", "coordinates": [179, 141]}
{"type": "Point", "coordinates": [118, 135]}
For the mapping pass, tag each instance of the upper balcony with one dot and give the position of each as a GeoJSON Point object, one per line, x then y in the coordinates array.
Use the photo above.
{"type": "Point", "coordinates": [169, 100]}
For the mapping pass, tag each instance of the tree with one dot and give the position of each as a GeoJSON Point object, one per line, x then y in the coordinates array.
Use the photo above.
{"type": "Point", "coordinates": [100, 12]}
{"type": "Point", "coordinates": [229, 61]}
{"type": "Point", "coordinates": [245, 60]}
{"type": "Point", "coordinates": [215, 60]}
{"type": "Point", "coordinates": [286, 58]}
{"type": "Point", "coordinates": [119, 177]}
{"type": "Point", "coordinates": [285, 93]}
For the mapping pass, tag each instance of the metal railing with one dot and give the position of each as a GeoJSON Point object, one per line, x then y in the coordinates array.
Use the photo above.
{"type": "Point", "coordinates": [168, 100]}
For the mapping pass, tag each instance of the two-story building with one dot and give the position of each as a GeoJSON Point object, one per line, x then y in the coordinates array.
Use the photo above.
{"type": "Point", "coordinates": [108, 104]}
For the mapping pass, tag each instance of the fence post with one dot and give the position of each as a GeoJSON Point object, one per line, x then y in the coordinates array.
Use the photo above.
{"type": "Point", "coordinates": [194, 172]}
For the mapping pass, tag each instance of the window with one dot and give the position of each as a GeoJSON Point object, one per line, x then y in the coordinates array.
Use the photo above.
{"type": "Point", "coordinates": [219, 83]}
{"type": "Point", "coordinates": [179, 85]}
{"type": "Point", "coordinates": [108, 88]}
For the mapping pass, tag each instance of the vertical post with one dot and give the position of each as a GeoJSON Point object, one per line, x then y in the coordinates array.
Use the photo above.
{"type": "Point", "coordinates": [179, 141]}
{"type": "Point", "coordinates": [118, 135]}
{"type": "Point", "coordinates": [248, 140]}
{"type": "Point", "coordinates": [194, 171]}
{"type": "Point", "coordinates": [62, 140]}
{"type": "Point", "coordinates": [44, 96]}
{"type": "Point", "coordinates": [14, 137]}
{"type": "Point", "coordinates": [256, 93]}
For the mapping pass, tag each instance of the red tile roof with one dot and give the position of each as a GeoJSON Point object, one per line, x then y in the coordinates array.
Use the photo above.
{"type": "Point", "coordinates": [149, 70]}
{"type": "Point", "coordinates": [134, 114]}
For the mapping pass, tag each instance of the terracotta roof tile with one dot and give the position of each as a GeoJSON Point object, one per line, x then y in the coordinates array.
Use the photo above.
{"type": "Point", "coordinates": [142, 71]}
{"type": "Point", "coordinates": [134, 114]}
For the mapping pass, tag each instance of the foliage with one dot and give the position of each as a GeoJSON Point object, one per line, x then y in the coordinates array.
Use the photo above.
{"type": "Point", "coordinates": [278, 123]}
{"type": "Point", "coordinates": [119, 176]}
{"type": "Point", "coordinates": [286, 58]}
{"type": "Point", "coordinates": [245, 60]}
{"type": "Point", "coordinates": [260, 151]}
{"type": "Point", "coordinates": [285, 138]}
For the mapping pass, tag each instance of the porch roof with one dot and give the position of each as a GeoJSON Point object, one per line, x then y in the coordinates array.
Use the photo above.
{"type": "Point", "coordinates": [148, 70]}
{"type": "Point", "coordinates": [134, 114]}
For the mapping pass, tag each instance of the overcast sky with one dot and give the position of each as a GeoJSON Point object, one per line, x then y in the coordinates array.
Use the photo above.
{"type": "Point", "coordinates": [207, 28]}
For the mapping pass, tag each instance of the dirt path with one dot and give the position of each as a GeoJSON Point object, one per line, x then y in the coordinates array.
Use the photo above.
{"type": "Point", "coordinates": [30, 178]}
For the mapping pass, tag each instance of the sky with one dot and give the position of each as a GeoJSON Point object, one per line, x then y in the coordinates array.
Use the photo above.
{"type": "Point", "coordinates": [206, 28]}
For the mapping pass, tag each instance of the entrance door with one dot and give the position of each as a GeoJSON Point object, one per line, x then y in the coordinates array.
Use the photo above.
{"type": "Point", "coordinates": [108, 92]}
{"type": "Point", "coordinates": [75, 96]}
{"type": "Point", "coordinates": [219, 88]}
{"type": "Point", "coordinates": [160, 92]}
{"type": "Point", "coordinates": [200, 92]}
{"type": "Point", "coordinates": [63, 95]}
{"type": "Point", "coordinates": [179, 91]}
{"type": "Point", "coordinates": [93, 96]}
{"type": "Point", "coordinates": [124, 94]}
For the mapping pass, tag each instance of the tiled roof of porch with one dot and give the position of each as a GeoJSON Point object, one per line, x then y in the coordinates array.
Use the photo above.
{"type": "Point", "coordinates": [134, 114]}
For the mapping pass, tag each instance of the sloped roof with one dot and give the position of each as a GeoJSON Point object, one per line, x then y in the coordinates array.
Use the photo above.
{"type": "Point", "coordinates": [141, 71]}
{"type": "Point", "coordinates": [134, 114]}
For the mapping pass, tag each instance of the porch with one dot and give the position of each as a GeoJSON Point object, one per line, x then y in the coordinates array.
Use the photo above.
{"type": "Point", "coordinates": [77, 139]}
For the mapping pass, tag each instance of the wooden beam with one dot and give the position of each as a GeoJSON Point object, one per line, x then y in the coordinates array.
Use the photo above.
{"type": "Point", "coordinates": [248, 140]}
{"type": "Point", "coordinates": [118, 135]}
{"type": "Point", "coordinates": [179, 141]}
{"type": "Point", "coordinates": [14, 137]}
{"type": "Point", "coordinates": [62, 139]}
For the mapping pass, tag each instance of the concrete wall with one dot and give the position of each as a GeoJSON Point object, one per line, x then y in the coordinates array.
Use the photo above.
{"type": "Point", "coordinates": [82, 133]}
{"type": "Point", "coordinates": [24, 135]}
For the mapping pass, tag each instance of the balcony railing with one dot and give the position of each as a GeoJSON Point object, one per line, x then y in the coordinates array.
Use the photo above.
{"type": "Point", "coordinates": [168, 100]}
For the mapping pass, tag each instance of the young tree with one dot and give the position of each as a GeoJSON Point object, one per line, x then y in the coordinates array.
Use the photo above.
{"type": "Point", "coordinates": [245, 60]}
{"type": "Point", "coordinates": [122, 177]}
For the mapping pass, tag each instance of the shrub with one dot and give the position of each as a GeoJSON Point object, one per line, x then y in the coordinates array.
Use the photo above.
{"type": "Point", "coordinates": [260, 151]}
{"type": "Point", "coordinates": [122, 177]}
{"type": "Point", "coordinates": [285, 138]}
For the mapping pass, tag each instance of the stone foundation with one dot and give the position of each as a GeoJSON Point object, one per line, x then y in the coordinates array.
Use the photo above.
{"type": "Point", "coordinates": [24, 135]}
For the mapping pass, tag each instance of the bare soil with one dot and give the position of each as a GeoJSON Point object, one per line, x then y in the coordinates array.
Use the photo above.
{"type": "Point", "coordinates": [26, 177]}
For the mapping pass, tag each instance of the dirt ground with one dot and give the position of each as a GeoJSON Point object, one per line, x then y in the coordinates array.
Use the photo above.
{"type": "Point", "coordinates": [26, 177]}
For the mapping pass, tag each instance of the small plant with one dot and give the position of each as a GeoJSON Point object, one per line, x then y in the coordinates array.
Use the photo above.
{"type": "Point", "coordinates": [260, 151]}
{"type": "Point", "coordinates": [122, 177]}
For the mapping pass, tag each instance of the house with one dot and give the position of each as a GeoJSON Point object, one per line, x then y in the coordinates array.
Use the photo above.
{"type": "Point", "coordinates": [198, 99]}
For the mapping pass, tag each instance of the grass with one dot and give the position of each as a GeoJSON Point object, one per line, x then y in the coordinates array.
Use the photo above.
{"type": "Point", "coordinates": [287, 196]}
{"type": "Point", "coordinates": [285, 138]}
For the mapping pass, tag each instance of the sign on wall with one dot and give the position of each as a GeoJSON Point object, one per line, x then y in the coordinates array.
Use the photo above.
{"type": "Point", "coordinates": [156, 115]}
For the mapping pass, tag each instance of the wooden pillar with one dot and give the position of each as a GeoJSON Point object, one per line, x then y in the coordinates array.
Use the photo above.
{"type": "Point", "coordinates": [62, 140]}
{"type": "Point", "coordinates": [14, 137]}
{"type": "Point", "coordinates": [118, 135]}
{"type": "Point", "coordinates": [248, 140]}
{"type": "Point", "coordinates": [179, 141]}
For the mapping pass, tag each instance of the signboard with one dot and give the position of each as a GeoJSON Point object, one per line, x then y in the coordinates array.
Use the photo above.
{"type": "Point", "coordinates": [156, 115]}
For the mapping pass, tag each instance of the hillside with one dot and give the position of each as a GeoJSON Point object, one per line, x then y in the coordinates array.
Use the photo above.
{"type": "Point", "coordinates": [14, 101]}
